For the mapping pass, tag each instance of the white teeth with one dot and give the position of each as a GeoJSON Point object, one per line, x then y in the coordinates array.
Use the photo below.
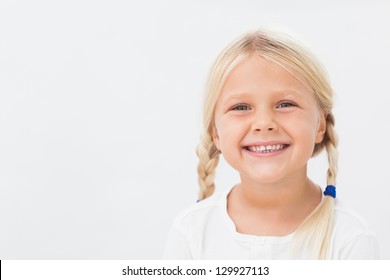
{"type": "Point", "coordinates": [266, 149]}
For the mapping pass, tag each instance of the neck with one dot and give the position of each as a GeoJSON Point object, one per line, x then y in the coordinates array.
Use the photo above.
{"type": "Point", "coordinates": [282, 194]}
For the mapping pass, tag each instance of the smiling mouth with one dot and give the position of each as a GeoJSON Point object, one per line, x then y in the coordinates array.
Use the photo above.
{"type": "Point", "coordinates": [266, 149]}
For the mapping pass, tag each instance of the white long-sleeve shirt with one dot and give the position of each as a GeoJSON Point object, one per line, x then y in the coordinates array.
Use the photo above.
{"type": "Point", "coordinates": [206, 231]}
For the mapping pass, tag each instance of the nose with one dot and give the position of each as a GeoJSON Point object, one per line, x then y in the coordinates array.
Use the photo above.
{"type": "Point", "coordinates": [264, 120]}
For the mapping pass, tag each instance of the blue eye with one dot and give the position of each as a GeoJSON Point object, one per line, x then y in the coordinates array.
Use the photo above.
{"type": "Point", "coordinates": [241, 107]}
{"type": "Point", "coordinates": [285, 105]}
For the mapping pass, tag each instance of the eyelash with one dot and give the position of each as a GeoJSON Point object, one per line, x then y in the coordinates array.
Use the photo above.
{"type": "Point", "coordinates": [289, 103]}
{"type": "Point", "coordinates": [236, 107]}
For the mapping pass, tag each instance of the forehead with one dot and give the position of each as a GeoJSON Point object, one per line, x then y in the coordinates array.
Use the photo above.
{"type": "Point", "coordinates": [256, 74]}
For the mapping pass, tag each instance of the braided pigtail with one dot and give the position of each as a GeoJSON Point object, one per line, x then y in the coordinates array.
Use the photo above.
{"type": "Point", "coordinates": [208, 155]}
{"type": "Point", "coordinates": [331, 142]}
{"type": "Point", "coordinates": [315, 232]}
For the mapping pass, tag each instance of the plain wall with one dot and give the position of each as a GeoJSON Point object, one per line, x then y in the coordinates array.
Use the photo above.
{"type": "Point", "coordinates": [100, 105]}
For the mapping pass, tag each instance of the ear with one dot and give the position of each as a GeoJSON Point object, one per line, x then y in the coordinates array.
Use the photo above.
{"type": "Point", "coordinates": [321, 128]}
{"type": "Point", "coordinates": [216, 137]}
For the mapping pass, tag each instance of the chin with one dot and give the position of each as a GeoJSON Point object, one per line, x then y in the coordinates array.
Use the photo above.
{"type": "Point", "coordinates": [270, 179]}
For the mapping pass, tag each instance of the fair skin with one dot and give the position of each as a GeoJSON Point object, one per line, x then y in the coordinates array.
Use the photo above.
{"type": "Point", "coordinates": [266, 124]}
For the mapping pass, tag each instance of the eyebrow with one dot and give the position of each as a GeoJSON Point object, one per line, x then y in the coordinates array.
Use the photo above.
{"type": "Point", "coordinates": [247, 95]}
{"type": "Point", "coordinates": [236, 96]}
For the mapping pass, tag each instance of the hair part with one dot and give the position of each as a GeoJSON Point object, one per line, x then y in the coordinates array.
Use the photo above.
{"type": "Point", "coordinates": [315, 231]}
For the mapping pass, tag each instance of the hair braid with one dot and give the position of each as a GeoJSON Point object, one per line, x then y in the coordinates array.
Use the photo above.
{"type": "Point", "coordinates": [331, 142]}
{"type": "Point", "coordinates": [208, 155]}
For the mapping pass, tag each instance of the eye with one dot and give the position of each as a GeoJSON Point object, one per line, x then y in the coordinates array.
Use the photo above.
{"type": "Point", "coordinates": [240, 107]}
{"type": "Point", "coordinates": [285, 105]}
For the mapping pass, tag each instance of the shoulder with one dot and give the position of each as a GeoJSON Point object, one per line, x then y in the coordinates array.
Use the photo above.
{"type": "Point", "coordinates": [199, 212]}
{"type": "Point", "coordinates": [352, 236]}
{"type": "Point", "coordinates": [191, 227]}
{"type": "Point", "coordinates": [348, 220]}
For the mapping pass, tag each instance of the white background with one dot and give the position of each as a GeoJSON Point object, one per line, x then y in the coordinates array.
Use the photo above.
{"type": "Point", "coordinates": [100, 115]}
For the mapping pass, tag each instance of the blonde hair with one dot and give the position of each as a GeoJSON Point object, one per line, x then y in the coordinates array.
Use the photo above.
{"type": "Point", "coordinates": [315, 231]}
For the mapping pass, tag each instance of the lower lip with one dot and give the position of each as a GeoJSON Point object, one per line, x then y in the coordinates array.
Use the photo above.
{"type": "Point", "coordinates": [265, 155]}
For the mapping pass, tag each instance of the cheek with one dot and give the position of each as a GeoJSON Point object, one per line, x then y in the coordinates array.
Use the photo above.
{"type": "Point", "coordinates": [303, 127]}
{"type": "Point", "coordinates": [230, 132]}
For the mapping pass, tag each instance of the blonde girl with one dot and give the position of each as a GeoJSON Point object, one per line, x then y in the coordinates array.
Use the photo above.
{"type": "Point", "coordinates": [268, 110]}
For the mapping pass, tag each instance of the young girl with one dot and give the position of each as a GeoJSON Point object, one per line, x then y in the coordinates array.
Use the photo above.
{"type": "Point", "coordinates": [268, 110]}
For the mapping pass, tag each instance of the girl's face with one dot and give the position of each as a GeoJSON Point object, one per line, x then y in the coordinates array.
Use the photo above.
{"type": "Point", "coordinates": [266, 122]}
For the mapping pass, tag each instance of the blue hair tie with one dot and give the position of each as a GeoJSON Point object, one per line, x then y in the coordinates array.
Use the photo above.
{"type": "Point", "coordinates": [330, 190]}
